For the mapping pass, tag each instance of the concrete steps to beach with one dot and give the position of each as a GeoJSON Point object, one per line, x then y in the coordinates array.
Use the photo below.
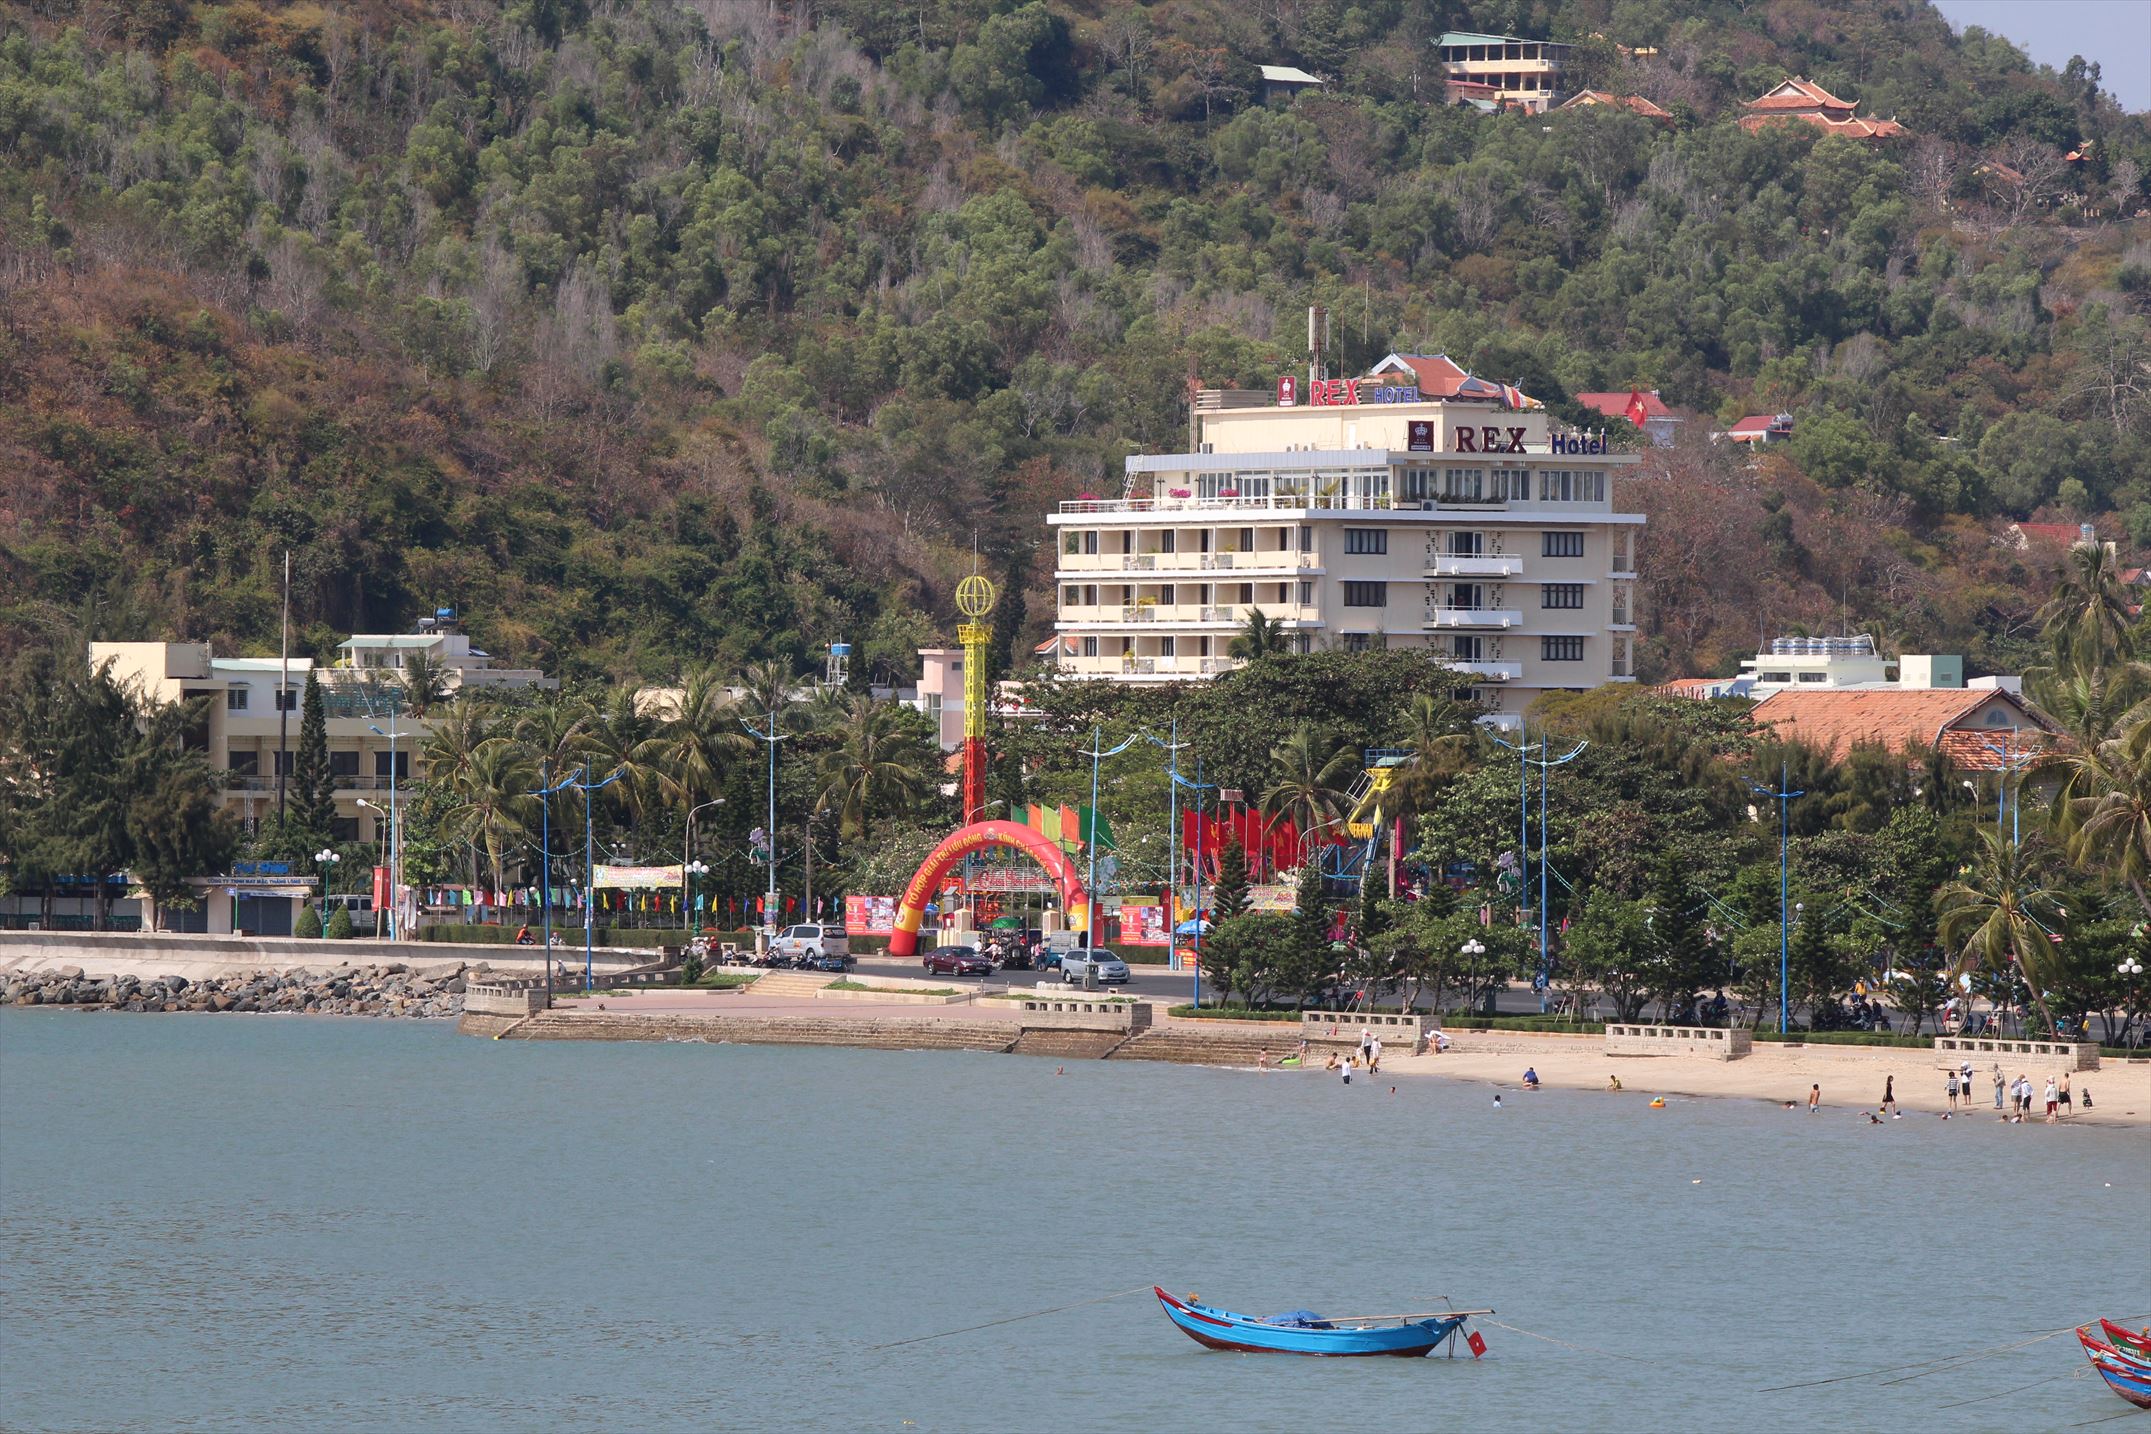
{"type": "Point", "coordinates": [1067, 1045]}
{"type": "Point", "coordinates": [892, 1035]}
{"type": "Point", "coordinates": [802, 984]}
{"type": "Point", "coordinates": [1207, 1048]}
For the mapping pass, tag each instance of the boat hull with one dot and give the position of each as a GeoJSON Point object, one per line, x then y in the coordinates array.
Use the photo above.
{"type": "Point", "coordinates": [1244, 1334]}
{"type": "Point", "coordinates": [2128, 1375]}
{"type": "Point", "coordinates": [2126, 1340]}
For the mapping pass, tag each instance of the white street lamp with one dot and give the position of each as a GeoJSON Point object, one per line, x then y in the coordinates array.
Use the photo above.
{"type": "Point", "coordinates": [2131, 967]}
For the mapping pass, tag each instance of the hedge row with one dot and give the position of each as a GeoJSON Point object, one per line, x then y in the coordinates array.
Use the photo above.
{"type": "Point", "coordinates": [572, 936]}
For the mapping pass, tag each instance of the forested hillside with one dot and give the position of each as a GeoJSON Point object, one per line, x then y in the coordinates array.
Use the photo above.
{"type": "Point", "coordinates": [657, 333]}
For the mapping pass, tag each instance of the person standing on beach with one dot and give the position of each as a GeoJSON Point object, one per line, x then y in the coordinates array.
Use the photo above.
{"type": "Point", "coordinates": [1366, 1042]}
{"type": "Point", "coordinates": [2067, 1109]}
{"type": "Point", "coordinates": [1814, 1098]}
{"type": "Point", "coordinates": [1889, 1095]}
{"type": "Point", "coordinates": [2053, 1102]}
{"type": "Point", "coordinates": [1374, 1056]}
{"type": "Point", "coordinates": [1997, 1087]}
{"type": "Point", "coordinates": [1952, 1090]}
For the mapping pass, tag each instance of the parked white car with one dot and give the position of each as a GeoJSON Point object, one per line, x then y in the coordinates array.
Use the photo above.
{"type": "Point", "coordinates": [815, 941]}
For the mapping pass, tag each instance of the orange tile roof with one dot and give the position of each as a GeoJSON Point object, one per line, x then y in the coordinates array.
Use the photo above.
{"type": "Point", "coordinates": [1799, 94]}
{"type": "Point", "coordinates": [1615, 405]}
{"type": "Point", "coordinates": [1585, 98]}
{"type": "Point", "coordinates": [1911, 720]}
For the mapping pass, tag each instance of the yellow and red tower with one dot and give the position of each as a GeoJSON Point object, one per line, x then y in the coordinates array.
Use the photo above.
{"type": "Point", "coordinates": [974, 599]}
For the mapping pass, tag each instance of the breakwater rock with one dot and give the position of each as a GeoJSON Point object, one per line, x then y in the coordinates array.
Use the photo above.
{"type": "Point", "coordinates": [394, 989]}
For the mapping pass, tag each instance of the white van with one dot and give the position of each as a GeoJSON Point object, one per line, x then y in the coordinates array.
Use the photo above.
{"type": "Point", "coordinates": [813, 941]}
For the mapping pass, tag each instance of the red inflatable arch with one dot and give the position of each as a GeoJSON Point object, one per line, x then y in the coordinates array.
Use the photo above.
{"type": "Point", "coordinates": [911, 910]}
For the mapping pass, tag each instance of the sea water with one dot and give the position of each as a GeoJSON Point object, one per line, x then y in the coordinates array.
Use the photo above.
{"type": "Point", "coordinates": [284, 1223]}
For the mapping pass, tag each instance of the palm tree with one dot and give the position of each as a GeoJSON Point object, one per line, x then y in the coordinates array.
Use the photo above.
{"type": "Point", "coordinates": [455, 738]}
{"type": "Point", "coordinates": [1306, 786]}
{"type": "Point", "coordinates": [496, 807]}
{"type": "Point", "coordinates": [1996, 914]}
{"type": "Point", "coordinates": [2106, 807]}
{"type": "Point", "coordinates": [1439, 735]}
{"type": "Point", "coordinates": [694, 744]}
{"type": "Point", "coordinates": [2088, 620]}
{"type": "Point", "coordinates": [767, 687]}
{"type": "Point", "coordinates": [1260, 638]}
{"type": "Point", "coordinates": [2090, 705]}
{"type": "Point", "coordinates": [425, 682]}
{"type": "Point", "coordinates": [880, 765]}
{"type": "Point", "coordinates": [619, 741]}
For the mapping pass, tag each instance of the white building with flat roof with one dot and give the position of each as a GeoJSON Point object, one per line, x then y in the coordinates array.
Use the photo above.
{"type": "Point", "coordinates": [1371, 516]}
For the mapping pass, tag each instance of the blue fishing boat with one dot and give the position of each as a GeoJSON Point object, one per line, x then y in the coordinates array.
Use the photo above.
{"type": "Point", "coordinates": [1305, 1332]}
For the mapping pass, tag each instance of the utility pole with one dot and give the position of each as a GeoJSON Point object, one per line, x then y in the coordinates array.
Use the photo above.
{"type": "Point", "coordinates": [283, 686]}
{"type": "Point", "coordinates": [1782, 796]}
{"type": "Point", "coordinates": [1098, 752]}
{"type": "Point", "coordinates": [769, 902]}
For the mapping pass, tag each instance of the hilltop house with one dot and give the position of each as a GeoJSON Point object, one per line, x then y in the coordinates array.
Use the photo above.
{"type": "Point", "coordinates": [1805, 102]}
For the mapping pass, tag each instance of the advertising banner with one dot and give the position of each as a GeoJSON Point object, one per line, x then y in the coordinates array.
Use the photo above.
{"type": "Point", "coordinates": [1143, 925]}
{"type": "Point", "coordinates": [638, 878]}
{"type": "Point", "coordinates": [1272, 898]}
{"type": "Point", "coordinates": [869, 915]}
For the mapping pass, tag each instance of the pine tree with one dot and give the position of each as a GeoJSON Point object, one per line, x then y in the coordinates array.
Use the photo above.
{"type": "Point", "coordinates": [1680, 948]}
{"type": "Point", "coordinates": [1010, 614]}
{"type": "Point", "coordinates": [1309, 910]}
{"type": "Point", "coordinates": [1229, 894]}
{"type": "Point", "coordinates": [313, 794]}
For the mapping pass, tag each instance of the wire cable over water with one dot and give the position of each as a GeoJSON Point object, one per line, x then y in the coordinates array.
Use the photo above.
{"type": "Point", "coordinates": [1012, 1319]}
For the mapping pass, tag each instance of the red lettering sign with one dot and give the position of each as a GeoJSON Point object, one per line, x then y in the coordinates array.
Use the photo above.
{"type": "Point", "coordinates": [1466, 441]}
{"type": "Point", "coordinates": [1333, 392]}
{"type": "Point", "coordinates": [1488, 437]}
{"type": "Point", "coordinates": [1516, 440]}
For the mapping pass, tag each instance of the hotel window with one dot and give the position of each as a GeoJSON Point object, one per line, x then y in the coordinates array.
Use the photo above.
{"type": "Point", "coordinates": [1465, 649]}
{"type": "Point", "coordinates": [235, 700]}
{"type": "Point", "coordinates": [1814, 677]}
{"type": "Point", "coordinates": [1561, 595]}
{"type": "Point", "coordinates": [1071, 596]}
{"type": "Point", "coordinates": [1127, 541]}
{"type": "Point", "coordinates": [1090, 647]}
{"type": "Point", "coordinates": [1165, 595]}
{"type": "Point", "coordinates": [1165, 647]}
{"type": "Point", "coordinates": [1463, 485]}
{"type": "Point", "coordinates": [402, 768]}
{"type": "Point", "coordinates": [1590, 487]}
{"type": "Point", "coordinates": [287, 699]}
{"type": "Point", "coordinates": [1508, 484]}
{"type": "Point", "coordinates": [1561, 649]}
{"type": "Point", "coordinates": [1366, 541]}
{"type": "Point", "coordinates": [243, 763]}
{"type": "Point", "coordinates": [1306, 593]}
{"type": "Point", "coordinates": [1554, 485]}
{"type": "Point", "coordinates": [1463, 545]}
{"type": "Point", "coordinates": [1561, 545]}
{"type": "Point", "coordinates": [1247, 591]}
{"type": "Point", "coordinates": [284, 761]}
{"type": "Point", "coordinates": [1168, 540]}
{"type": "Point", "coordinates": [1417, 485]}
{"type": "Point", "coordinates": [343, 764]}
{"type": "Point", "coordinates": [1366, 595]}
{"type": "Point", "coordinates": [1356, 641]}
{"type": "Point", "coordinates": [1306, 539]}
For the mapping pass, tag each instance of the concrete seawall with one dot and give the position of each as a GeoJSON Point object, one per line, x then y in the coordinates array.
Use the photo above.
{"type": "Point", "coordinates": [207, 957]}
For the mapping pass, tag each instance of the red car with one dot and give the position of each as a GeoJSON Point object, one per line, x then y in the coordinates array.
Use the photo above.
{"type": "Point", "coordinates": [957, 961]}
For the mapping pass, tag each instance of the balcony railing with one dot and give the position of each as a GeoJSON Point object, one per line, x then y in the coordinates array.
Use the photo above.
{"type": "Point", "coordinates": [1473, 617]}
{"type": "Point", "coordinates": [1483, 565]}
{"type": "Point", "coordinates": [266, 782]}
{"type": "Point", "coordinates": [1080, 615]}
{"type": "Point", "coordinates": [1489, 671]}
{"type": "Point", "coordinates": [1106, 563]}
{"type": "Point", "coordinates": [1275, 502]}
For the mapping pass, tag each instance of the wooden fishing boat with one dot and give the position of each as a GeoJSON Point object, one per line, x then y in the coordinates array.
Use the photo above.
{"type": "Point", "coordinates": [1305, 1332]}
{"type": "Point", "coordinates": [2127, 1377]}
{"type": "Point", "coordinates": [2126, 1340]}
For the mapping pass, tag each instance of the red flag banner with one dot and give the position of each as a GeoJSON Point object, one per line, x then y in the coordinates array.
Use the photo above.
{"type": "Point", "coordinates": [1636, 412]}
{"type": "Point", "coordinates": [1477, 1342]}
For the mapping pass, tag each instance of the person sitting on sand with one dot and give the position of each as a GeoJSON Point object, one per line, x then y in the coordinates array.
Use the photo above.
{"type": "Point", "coordinates": [1531, 1078]}
{"type": "Point", "coordinates": [1441, 1042]}
{"type": "Point", "coordinates": [1331, 1064]}
{"type": "Point", "coordinates": [1613, 1082]}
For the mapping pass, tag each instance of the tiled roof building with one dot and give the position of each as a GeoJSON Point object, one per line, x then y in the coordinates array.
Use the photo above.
{"type": "Point", "coordinates": [1973, 727]}
{"type": "Point", "coordinates": [1809, 103]}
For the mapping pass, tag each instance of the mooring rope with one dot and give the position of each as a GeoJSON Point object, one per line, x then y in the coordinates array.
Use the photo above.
{"type": "Point", "coordinates": [1583, 1348]}
{"type": "Point", "coordinates": [2001, 1394]}
{"type": "Point", "coordinates": [1931, 1366]}
{"type": "Point", "coordinates": [989, 1324]}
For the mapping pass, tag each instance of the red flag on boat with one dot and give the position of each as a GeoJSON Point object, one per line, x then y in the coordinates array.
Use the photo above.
{"type": "Point", "coordinates": [1477, 1343]}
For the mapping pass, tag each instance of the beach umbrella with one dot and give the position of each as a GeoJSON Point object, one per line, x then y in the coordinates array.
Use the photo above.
{"type": "Point", "coordinates": [1008, 923]}
{"type": "Point", "coordinates": [1190, 927]}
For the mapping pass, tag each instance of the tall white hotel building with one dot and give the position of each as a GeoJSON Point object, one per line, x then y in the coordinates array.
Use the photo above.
{"type": "Point", "coordinates": [1417, 507]}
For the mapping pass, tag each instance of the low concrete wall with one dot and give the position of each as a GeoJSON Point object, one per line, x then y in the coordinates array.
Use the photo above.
{"type": "Point", "coordinates": [106, 953]}
{"type": "Point", "coordinates": [1073, 1013]}
{"type": "Point", "coordinates": [504, 998]}
{"type": "Point", "coordinates": [1716, 1043]}
{"type": "Point", "coordinates": [1342, 1028]}
{"type": "Point", "coordinates": [2081, 1056]}
{"type": "Point", "coordinates": [894, 996]}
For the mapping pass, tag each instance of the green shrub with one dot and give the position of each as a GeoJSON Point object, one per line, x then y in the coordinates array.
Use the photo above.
{"type": "Point", "coordinates": [339, 927]}
{"type": "Point", "coordinates": [1231, 1013]}
{"type": "Point", "coordinates": [1848, 1038]}
{"type": "Point", "coordinates": [307, 924]}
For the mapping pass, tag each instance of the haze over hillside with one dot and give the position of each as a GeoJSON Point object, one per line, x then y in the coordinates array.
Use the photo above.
{"type": "Point", "coordinates": [659, 333]}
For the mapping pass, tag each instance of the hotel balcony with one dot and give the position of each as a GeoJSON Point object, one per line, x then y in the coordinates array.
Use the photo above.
{"type": "Point", "coordinates": [1187, 614]}
{"type": "Point", "coordinates": [1486, 671]}
{"type": "Point", "coordinates": [1451, 565]}
{"type": "Point", "coordinates": [1164, 669]}
{"type": "Point", "coordinates": [1080, 565]}
{"type": "Point", "coordinates": [1443, 619]}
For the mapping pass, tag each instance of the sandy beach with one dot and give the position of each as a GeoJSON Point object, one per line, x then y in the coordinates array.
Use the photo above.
{"type": "Point", "coordinates": [1852, 1077]}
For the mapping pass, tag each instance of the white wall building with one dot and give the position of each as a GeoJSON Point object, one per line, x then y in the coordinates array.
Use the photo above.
{"type": "Point", "coordinates": [1841, 664]}
{"type": "Point", "coordinates": [1373, 517]}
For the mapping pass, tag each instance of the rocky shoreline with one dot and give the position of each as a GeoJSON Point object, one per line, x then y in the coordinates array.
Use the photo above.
{"type": "Point", "coordinates": [394, 989]}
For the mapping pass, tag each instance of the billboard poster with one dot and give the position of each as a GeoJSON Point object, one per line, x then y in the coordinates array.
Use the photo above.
{"type": "Point", "coordinates": [1143, 925]}
{"type": "Point", "coordinates": [638, 878]}
{"type": "Point", "coordinates": [1272, 898]}
{"type": "Point", "coordinates": [869, 915]}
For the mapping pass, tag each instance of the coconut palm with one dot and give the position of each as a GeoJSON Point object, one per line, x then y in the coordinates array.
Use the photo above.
{"type": "Point", "coordinates": [2105, 809]}
{"type": "Point", "coordinates": [618, 740]}
{"type": "Point", "coordinates": [1440, 739]}
{"type": "Point", "coordinates": [494, 809]}
{"type": "Point", "coordinates": [2088, 620]}
{"type": "Point", "coordinates": [1260, 638]}
{"type": "Point", "coordinates": [767, 687]}
{"type": "Point", "coordinates": [696, 741]}
{"type": "Point", "coordinates": [457, 734]}
{"type": "Point", "coordinates": [1305, 785]}
{"type": "Point", "coordinates": [425, 682]}
{"type": "Point", "coordinates": [880, 766]}
{"type": "Point", "coordinates": [1997, 913]}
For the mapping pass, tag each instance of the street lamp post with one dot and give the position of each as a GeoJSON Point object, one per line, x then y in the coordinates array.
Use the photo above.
{"type": "Point", "coordinates": [1471, 951]}
{"type": "Point", "coordinates": [1783, 797]}
{"type": "Point", "coordinates": [325, 862]}
{"type": "Point", "coordinates": [769, 902]}
{"type": "Point", "coordinates": [395, 824]}
{"type": "Point", "coordinates": [1544, 981]}
{"type": "Point", "coordinates": [1098, 752]}
{"type": "Point", "coordinates": [687, 843]}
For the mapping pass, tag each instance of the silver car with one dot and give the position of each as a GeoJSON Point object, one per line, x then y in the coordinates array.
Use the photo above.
{"type": "Point", "coordinates": [1109, 969]}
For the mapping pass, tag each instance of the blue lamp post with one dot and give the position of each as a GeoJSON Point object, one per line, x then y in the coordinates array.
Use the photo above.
{"type": "Point", "coordinates": [1782, 796]}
